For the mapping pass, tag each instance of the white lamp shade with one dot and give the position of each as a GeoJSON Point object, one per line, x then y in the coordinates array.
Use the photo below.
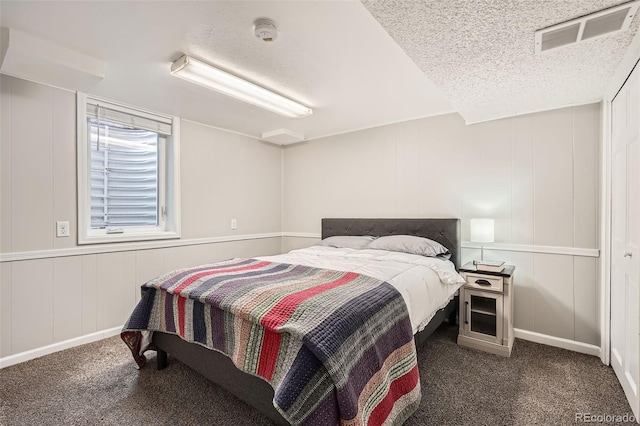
{"type": "Point", "coordinates": [482, 230]}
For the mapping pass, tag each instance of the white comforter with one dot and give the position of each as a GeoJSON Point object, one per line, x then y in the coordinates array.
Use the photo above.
{"type": "Point", "coordinates": [426, 284]}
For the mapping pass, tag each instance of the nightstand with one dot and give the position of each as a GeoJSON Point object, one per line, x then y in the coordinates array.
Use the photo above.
{"type": "Point", "coordinates": [486, 310]}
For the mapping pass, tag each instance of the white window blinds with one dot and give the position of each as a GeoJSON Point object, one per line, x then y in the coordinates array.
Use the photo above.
{"type": "Point", "coordinates": [106, 111]}
{"type": "Point", "coordinates": [126, 152]}
{"type": "Point", "coordinates": [128, 173]}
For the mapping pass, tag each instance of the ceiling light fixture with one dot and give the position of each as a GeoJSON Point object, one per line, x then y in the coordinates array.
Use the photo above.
{"type": "Point", "coordinates": [213, 78]}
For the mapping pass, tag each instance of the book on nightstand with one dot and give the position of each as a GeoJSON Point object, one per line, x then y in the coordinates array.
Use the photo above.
{"type": "Point", "coordinates": [489, 265]}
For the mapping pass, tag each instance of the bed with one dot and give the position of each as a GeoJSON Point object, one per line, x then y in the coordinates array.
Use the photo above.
{"type": "Point", "coordinates": [257, 392]}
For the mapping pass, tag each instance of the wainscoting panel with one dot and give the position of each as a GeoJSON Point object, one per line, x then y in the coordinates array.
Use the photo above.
{"type": "Point", "coordinates": [64, 164]}
{"type": "Point", "coordinates": [522, 179]}
{"type": "Point", "coordinates": [6, 191]}
{"type": "Point", "coordinates": [586, 173]}
{"type": "Point", "coordinates": [5, 309]}
{"type": "Point", "coordinates": [67, 292]}
{"type": "Point", "coordinates": [586, 300]}
{"type": "Point", "coordinates": [535, 174]}
{"type": "Point", "coordinates": [555, 294]}
{"type": "Point", "coordinates": [294, 243]}
{"type": "Point", "coordinates": [553, 178]}
{"type": "Point", "coordinates": [89, 294]}
{"type": "Point", "coordinates": [54, 292]}
{"type": "Point", "coordinates": [524, 282]}
{"type": "Point", "coordinates": [48, 301]}
{"type": "Point", "coordinates": [111, 278]}
{"type": "Point", "coordinates": [32, 303]}
{"type": "Point", "coordinates": [554, 306]}
{"type": "Point", "coordinates": [32, 166]}
{"type": "Point", "coordinates": [149, 264]}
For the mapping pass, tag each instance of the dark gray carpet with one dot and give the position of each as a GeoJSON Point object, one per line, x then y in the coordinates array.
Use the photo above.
{"type": "Point", "coordinates": [98, 384]}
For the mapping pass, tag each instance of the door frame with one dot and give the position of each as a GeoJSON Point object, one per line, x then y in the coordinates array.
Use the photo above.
{"type": "Point", "coordinates": [605, 232]}
{"type": "Point", "coordinates": [623, 71]}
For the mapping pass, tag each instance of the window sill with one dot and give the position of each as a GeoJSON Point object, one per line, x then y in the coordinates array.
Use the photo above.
{"type": "Point", "coordinates": [127, 237]}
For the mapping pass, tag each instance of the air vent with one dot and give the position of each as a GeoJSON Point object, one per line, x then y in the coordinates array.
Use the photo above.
{"type": "Point", "coordinates": [282, 137]}
{"type": "Point", "coordinates": [605, 22]}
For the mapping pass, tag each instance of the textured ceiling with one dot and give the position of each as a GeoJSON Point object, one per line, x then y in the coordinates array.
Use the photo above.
{"type": "Point", "coordinates": [475, 57]}
{"type": "Point", "coordinates": [481, 53]}
{"type": "Point", "coordinates": [332, 56]}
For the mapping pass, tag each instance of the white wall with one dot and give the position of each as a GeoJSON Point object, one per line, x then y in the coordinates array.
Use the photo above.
{"type": "Point", "coordinates": [56, 296]}
{"type": "Point", "coordinates": [537, 175]}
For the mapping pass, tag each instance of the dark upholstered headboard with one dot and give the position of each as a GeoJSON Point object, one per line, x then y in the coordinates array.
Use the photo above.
{"type": "Point", "coordinates": [444, 231]}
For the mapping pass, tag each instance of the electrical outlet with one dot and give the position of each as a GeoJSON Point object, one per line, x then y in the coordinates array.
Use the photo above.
{"type": "Point", "coordinates": [234, 224]}
{"type": "Point", "coordinates": [62, 229]}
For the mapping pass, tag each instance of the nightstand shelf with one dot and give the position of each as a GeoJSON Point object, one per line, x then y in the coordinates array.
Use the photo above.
{"type": "Point", "coordinates": [486, 310]}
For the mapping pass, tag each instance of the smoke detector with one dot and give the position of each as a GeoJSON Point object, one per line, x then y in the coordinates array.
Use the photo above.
{"type": "Point", "coordinates": [265, 29]}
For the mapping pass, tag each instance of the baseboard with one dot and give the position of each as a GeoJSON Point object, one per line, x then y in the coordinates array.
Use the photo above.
{"type": "Point", "coordinates": [56, 347]}
{"type": "Point", "coordinates": [558, 342]}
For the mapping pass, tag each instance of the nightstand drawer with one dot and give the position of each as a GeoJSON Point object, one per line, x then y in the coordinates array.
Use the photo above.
{"type": "Point", "coordinates": [484, 282]}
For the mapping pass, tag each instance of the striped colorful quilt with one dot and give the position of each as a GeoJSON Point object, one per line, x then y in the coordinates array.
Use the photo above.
{"type": "Point", "coordinates": [337, 347]}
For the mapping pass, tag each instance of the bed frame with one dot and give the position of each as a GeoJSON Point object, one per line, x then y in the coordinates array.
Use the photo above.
{"type": "Point", "coordinates": [257, 392]}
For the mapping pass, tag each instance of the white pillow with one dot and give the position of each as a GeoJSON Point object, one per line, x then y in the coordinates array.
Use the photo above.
{"type": "Point", "coordinates": [409, 244]}
{"type": "Point", "coordinates": [347, 241]}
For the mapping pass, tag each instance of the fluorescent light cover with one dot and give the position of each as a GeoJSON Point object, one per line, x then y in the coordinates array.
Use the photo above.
{"type": "Point", "coordinates": [205, 75]}
{"type": "Point", "coordinates": [482, 230]}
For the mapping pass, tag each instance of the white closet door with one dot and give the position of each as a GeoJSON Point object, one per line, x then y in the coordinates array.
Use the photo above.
{"type": "Point", "coordinates": [625, 238]}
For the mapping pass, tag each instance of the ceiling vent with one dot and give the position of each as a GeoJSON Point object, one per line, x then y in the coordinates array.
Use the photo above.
{"type": "Point", "coordinates": [282, 137]}
{"type": "Point", "coordinates": [605, 22]}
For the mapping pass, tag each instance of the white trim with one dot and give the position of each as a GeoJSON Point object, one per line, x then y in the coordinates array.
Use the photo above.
{"type": "Point", "coordinates": [225, 130]}
{"type": "Point", "coordinates": [566, 251]}
{"type": "Point", "coordinates": [282, 200]}
{"type": "Point", "coordinates": [558, 342]}
{"type": "Point", "coordinates": [535, 111]}
{"type": "Point", "coordinates": [605, 235]}
{"type": "Point", "coordinates": [173, 197]}
{"type": "Point", "coordinates": [140, 234]}
{"type": "Point", "coordinates": [145, 245]}
{"type": "Point", "coordinates": [131, 246]}
{"type": "Point", "coordinates": [82, 159]}
{"type": "Point", "coordinates": [302, 235]}
{"type": "Point", "coordinates": [388, 123]}
{"type": "Point", "coordinates": [56, 347]}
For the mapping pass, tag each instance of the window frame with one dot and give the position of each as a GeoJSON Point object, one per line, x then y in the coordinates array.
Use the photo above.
{"type": "Point", "coordinates": [168, 180]}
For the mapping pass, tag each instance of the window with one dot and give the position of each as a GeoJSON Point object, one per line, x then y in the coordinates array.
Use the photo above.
{"type": "Point", "coordinates": [128, 165]}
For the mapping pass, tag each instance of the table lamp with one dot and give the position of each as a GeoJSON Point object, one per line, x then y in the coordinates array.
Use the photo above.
{"type": "Point", "coordinates": [482, 232]}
